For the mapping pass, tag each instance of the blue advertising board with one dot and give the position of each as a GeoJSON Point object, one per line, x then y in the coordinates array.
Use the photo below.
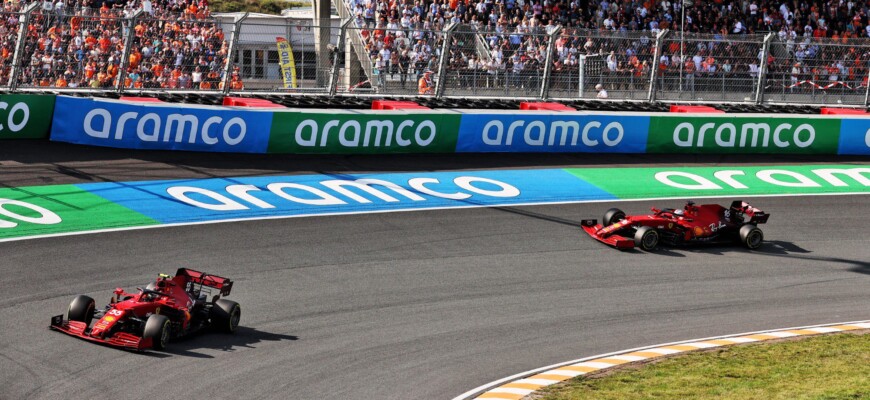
{"type": "Point", "coordinates": [558, 132]}
{"type": "Point", "coordinates": [855, 136]}
{"type": "Point", "coordinates": [132, 125]}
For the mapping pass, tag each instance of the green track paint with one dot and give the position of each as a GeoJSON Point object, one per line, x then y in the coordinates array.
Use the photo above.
{"type": "Point", "coordinates": [639, 183]}
{"type": "Point", "coordinates": [43, 210]}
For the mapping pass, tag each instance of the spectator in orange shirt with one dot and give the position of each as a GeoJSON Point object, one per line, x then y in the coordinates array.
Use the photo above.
{"type": "Point", "coordinates": [90, 70]}
{"type": "Point", "coordinates": [236, 82]}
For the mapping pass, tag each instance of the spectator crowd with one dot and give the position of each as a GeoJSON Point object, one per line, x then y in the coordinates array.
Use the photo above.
{"type": "Point", "coordinates": [816, 41]}
{"type": "Point", "coordinates": [174, 44]}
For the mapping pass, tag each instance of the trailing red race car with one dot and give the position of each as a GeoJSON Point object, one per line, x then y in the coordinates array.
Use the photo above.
{"type": "Point", "coordinates": [708, 223]}
{"type": "Point", "coordinates": [169, 308]}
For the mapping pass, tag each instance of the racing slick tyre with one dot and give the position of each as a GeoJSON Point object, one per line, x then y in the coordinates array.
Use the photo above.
{"type": "Point", "coordinates": [751, 236]}
{"type": "Point", "coordinates": [157, 328]}
{"type": "Point", "coordinates": [612, 216]}
{"type": "Point", "coordinates": [225, 315]}
{"type": "Point", "coordinates": [81, 309]}
{"type": "Point", "coordinates": [646, 238]}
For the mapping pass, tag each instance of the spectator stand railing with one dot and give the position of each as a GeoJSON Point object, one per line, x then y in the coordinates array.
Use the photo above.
{"type": "Point", "coordinates": [356, 56]}
{"type": "Point", "coordinates": [12, 39]}
{"type": "Point", "coordinates": [817, 71]}
{"type": "Point", "coordinates": [399, 58]}
{"type": "Point", "coordinates": [264, 65]}
{"type": "Point", "coordinates": [79, 50]}
{"type": "Point", "coordinates": [621, 62]}
{"type": "Point", "coordinates": [705, 67]}
{"type": "Point", "coordinates": [514, 68]}
{"type": "Point", "coordinates": [121, 50]}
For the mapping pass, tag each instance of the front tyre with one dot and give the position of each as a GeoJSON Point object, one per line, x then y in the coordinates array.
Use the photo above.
{"type": "Point", "coordinates": [646, 238]}
{"type": "Point", "coordinates": [612, 216]}
{"type": "Point", "coordinates": [157, 328]}
{"type": "Point", "coordinates": [225, 315]}
{"type": "Point", "coordinates": [81, 309]}
{"type": "Point", "coordinates": [751, 236]}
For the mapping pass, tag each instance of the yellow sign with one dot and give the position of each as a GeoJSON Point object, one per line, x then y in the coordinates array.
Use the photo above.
{"type": "Point", "coordinates": [285, 60]}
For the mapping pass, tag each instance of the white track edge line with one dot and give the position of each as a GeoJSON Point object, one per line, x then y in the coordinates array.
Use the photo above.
{"type": "Point", "coordinates": [143, 227]}
{"type": "Point", "coordinates": [483, 388]}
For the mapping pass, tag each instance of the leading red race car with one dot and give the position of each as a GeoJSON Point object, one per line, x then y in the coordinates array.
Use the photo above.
{"type": "Point", "coordinates": [708, 223]}
{"type": "Point", "coordinates": [168, 308]}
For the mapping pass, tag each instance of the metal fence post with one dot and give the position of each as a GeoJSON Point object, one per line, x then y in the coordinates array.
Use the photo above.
{"type": "Point", "coordinates": [654, 68]}
{"type": "Point", "coordinates": [339, 48]}
{"type": "Point", "coordinates": [867, 89]}
{"type": "Point", "coordinates": [125, 58]}
{"type": "Point", "coordinates": [762, 70]}
{"type": "Point", "coordinates": [548, 64]}
{"type": "Point", "coordinates": [234, 41]}
{"type": "Point", "coordinates": [23, 24]}
{"type": "Point", "coordinates": [445, 57]}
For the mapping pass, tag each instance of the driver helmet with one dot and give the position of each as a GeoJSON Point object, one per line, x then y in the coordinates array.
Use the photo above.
{"type": "Point", "coordinates": [678, 212]}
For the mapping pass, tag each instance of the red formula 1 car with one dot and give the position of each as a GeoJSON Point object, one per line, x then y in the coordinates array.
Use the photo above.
{"type": "Point", "coordinates": [708, 223]}
{"type": "Point", "coordinates": [168, 308]}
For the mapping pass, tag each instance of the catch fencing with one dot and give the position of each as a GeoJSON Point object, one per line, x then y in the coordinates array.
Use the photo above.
{"type": "Point", "coordinates": [101, 50]}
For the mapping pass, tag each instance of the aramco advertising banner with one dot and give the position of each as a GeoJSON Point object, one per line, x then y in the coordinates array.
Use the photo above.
{"type": "Point", "coordinates": [25, 116]}
{"type": "Point", "coordinates": [369, 132]}
{"type": "Point", "coordinates": [131, 125]}
{"type": "Point", "coordinates": [121, 124]}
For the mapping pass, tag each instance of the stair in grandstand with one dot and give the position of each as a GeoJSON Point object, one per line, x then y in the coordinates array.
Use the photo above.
{"type": "Point", "coordinates": [357, 43]}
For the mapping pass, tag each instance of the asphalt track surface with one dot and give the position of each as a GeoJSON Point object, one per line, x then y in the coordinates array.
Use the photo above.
{"type": "Point", "coordinates": [412, 305]}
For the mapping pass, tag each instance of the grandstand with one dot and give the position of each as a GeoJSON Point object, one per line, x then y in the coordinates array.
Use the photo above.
{"type": "Point", "coordinates": [727, 50]}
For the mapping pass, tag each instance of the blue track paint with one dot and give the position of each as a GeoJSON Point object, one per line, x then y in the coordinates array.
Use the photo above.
{"type": "Point", "coordinates": [181, 201]}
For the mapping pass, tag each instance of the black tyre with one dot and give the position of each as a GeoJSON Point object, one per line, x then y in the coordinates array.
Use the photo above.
{"type": "Point", "coordinates": [81, 309]}
{"type": "Point", "coordinates": [225, 315]}
{"type": "Point", "coordinates": [751, 236]}
{"type": "Point", "coordinates": [157, 327]}
{"type": "Point", "coordinates": [612, 216]}
{"type": "Point", "coordinates": [646, 238]}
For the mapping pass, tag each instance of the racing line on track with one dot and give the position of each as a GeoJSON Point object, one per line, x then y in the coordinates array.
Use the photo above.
{"type": "Point", "coordinates": [520, 385]}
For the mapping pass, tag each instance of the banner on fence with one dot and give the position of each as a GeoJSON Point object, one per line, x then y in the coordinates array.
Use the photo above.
{"type": "Point", "coordinates": [552, 132]}
{"type": "Point", "coordinates": [159, 127]}
{"type": "Point", "coordinates": [743, 134]}
{"type": "Point", "coordinates": [25, 116]}
{"type": "Point", "coordinates": [330, 132]}
{"type": "Point", "coordinates": [288, 64]}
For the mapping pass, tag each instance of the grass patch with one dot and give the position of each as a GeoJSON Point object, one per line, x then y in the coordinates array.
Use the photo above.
{"type": "Point", "coordinates": [825, 367]}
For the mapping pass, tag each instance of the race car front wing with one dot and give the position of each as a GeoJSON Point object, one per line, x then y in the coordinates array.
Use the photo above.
{"type": "Point", "coordinates": [120, 339]}
{"type": "Point", "coordinates": [594, 229]}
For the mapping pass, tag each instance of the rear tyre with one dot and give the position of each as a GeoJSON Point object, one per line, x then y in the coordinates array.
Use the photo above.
{"type": "Point", "coordinates": [225, 315]}
{"type": "Point", "coordinates": [612, 216]}
{"type": "Point", "coordinates": [646, 238]}
{"type": "Point", "coordinates": [157, 329]}
{"type": "Point", "coordinates": [81, 309]}
{"type": "Point", "coordinates": [751, 236]}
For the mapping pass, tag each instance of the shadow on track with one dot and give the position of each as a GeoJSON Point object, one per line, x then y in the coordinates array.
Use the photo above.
{"type": "Point", "coordinates": [245, 337]}
{"type": "Point", "coordinates": [783, 249]}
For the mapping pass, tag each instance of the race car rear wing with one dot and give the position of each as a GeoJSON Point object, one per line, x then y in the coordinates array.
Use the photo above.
{"type": "Point", "coordinates": [755, 215]}
{"type": "Point", "coordinates": [225, 285]}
